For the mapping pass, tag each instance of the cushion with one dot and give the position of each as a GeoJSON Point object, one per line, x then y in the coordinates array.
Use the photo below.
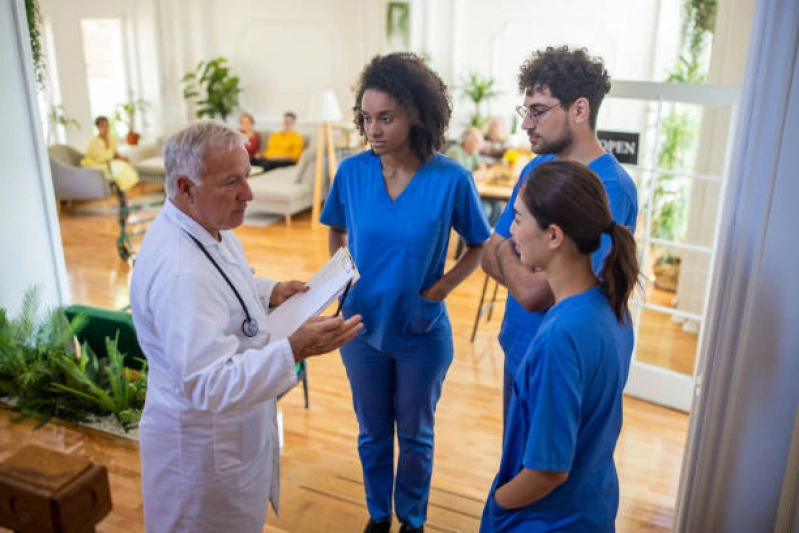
{"type": "Point", "coordinates": [151, 165]}
{"type": "Point", "coordinates": [104, 323]}
{"type": "Point", "coordinates": [266, 189]}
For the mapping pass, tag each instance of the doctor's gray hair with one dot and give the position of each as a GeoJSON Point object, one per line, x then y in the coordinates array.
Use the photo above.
{"type": "Point", "coordinates": [185, 151]}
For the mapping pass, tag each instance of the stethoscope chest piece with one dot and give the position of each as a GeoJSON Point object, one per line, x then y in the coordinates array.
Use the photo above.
{"type": "Point", "coordinates": [249, 327]}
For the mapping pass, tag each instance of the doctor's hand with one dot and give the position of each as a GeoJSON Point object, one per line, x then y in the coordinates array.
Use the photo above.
{"type": "Point", "coordinates": [323, 334]}
{"type": "Point", "coordinates": [284, 290]}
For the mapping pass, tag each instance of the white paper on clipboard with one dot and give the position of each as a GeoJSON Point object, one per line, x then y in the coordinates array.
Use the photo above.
{"type": "Point", "coordinates": [326, 285]}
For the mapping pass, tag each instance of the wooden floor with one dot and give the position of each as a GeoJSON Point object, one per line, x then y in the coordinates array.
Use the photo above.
{"type": "Point", "coordinates": [322, 487]}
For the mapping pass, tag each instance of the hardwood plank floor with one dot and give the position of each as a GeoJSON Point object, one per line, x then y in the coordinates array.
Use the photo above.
{"type": "Point", "coordinates": [322, 484]}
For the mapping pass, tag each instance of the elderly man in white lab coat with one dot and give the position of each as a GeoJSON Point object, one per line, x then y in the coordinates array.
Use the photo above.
{"type": "Point", "coordinates": [208, 434]}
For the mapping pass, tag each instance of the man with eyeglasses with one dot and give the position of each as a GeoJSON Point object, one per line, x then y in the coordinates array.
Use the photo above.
{"type": "Point", "coordinates": [563, 89]}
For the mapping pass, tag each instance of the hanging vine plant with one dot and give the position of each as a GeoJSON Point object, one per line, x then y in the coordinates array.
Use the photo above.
{"type": "Point", "coordinates": [34, 15]}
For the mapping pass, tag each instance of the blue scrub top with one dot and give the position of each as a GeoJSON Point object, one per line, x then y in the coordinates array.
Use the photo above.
{"type": "Point", "coordinates": [565, 415]}
{"type": "Point", "coordinates": [400, 245]}
{"type": "Point", "coordinates": [519, 326]}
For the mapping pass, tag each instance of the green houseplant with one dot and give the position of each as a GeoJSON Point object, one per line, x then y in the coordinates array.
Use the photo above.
{"type": "Point", "coordinates": [479, 89]}
{"type": "Point", "coordinates": [679, 131]}
{"type": "Point", "coordinates": [56, 116]}
{"type": "Point", "coordinates": [34, 15]}
{"type": "Point", "coordinates": [213, 88]}
{"type": "Point", "coordinates": [43, 376]}
{"type": "Point", "coordinates": [126, 113]}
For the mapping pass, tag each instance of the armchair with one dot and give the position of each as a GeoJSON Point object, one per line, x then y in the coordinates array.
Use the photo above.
{"type": "Point", "coordinates": [70, 180]}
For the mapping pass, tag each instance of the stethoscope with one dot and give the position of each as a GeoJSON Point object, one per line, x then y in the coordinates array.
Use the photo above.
{"type": "Point", "coordinates": [249, 327]}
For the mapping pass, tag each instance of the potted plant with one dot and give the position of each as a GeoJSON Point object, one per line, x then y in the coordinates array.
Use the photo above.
{"type": "Point", "coordinates": [56, 117]}
{"type": "Point", "coordinates": [126, 113]}
{"type": "Point", "coordinates": [43, 375]}
{"type": "Point", "coordinates": [213, 89]}
{"type": "Point", "coordinates": [479, 89]}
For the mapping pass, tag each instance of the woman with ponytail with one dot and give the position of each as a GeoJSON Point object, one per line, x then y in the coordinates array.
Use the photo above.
{"type": "Point", "coordinates": [557, 470]}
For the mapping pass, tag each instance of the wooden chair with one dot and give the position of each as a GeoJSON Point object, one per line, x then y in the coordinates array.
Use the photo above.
{"type": "Point", "coordinates": [485, 307]}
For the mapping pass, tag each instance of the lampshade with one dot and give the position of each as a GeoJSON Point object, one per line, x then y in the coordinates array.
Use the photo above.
{"type": "Point", "coordinates": [324, 107]}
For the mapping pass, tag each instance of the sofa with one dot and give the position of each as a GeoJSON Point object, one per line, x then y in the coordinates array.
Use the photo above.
{"type": "Point", "coordinates": [70, 180]}
{"type": "Point", "coordinates": [288, 190]}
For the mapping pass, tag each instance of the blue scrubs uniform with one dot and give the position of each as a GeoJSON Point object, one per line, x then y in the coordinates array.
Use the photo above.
{"type": "Point", "coordinates": [519, 326]}
{"type": "Point", "coordinates": [565, 416]}
{"type": "Point", "coordinates": [396, 365]}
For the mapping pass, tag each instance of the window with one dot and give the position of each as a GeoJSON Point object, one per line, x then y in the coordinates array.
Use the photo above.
{"type": "Point", "coordinates": [103, 49]}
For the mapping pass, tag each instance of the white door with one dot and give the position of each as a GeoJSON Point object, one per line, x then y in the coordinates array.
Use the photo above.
{"type": "Point", "coordinates": [683, 150]}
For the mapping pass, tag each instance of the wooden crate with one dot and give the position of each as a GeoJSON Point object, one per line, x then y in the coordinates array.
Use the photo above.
{"type": "Point", "coordinates": [45, 491]}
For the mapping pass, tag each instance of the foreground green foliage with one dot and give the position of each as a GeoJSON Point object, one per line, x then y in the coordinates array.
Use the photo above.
{"type": "Point", "coordinates": [42, 375]}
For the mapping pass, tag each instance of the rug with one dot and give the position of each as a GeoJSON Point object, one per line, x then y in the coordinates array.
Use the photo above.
{"type": "Point", "coordinates": [111, 206]}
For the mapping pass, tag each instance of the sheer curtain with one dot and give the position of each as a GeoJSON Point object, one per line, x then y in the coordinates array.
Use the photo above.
{"type": "Point", "coordinates": [739, 471]}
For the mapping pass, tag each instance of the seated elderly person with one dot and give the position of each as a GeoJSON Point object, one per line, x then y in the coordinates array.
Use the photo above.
{"type": "Point", "coordinates": [466, 153]}
{"type": "Point", "coordinates": [283, 148]}
{"type": "Point", "coordinates": [497, 140]}
{"type": "Point", "coordinates": [101, 153]}
{"type": "Point", "coordinates": [246, 125]}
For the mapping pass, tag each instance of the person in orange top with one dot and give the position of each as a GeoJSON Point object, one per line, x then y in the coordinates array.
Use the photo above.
{"type": "Point", "coordinates": [283, 147]}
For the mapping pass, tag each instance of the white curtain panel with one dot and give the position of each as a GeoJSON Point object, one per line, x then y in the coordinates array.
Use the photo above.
{"type": "Point", "coordinates": [737, 472]}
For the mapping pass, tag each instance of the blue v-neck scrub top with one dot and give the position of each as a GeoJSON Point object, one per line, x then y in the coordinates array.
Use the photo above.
{"type": "Point", "coordinates": [565, 415]}
{"type": "Point", "coordinates": [400, 245]}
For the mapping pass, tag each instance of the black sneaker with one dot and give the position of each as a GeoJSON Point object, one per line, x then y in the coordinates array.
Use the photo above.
{"type": "Point", "coordinates": [408, 529]}
{"type": "Point", "coordinates": [378, 527]}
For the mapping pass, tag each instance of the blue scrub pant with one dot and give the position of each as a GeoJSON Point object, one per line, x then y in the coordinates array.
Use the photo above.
{"type": "Point", "coordinates": [398, 386]}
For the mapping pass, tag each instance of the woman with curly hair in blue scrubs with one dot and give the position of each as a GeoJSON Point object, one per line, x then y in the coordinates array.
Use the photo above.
{"type": "Point", "coordinates": [557, 471]}
{"type": "Point", "coordinates": [394, 206]}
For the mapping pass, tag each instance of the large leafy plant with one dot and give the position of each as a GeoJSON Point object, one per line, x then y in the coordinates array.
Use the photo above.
{"type": "Point", "coordinates": [107, 384]}
{"type": "Point", "coordinates": [30, 352]}
{"type": "Point", "coordinates": [213, 88]}
{"type": "Point", "coordinates": [43, 376]}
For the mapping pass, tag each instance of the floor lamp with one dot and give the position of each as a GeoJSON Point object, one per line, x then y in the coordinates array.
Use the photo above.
{"type": "Point", "coordinates": [324, 109]}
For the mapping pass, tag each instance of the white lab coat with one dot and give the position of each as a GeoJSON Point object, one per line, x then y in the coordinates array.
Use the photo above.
{"type": "Point", "coordinates": [208, 434]}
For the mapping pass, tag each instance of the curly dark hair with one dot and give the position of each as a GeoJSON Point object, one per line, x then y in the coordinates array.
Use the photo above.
{"type": "Point", "coordinates": [420, 91]}
{"type": "Point", "coordinates": [569, 74]}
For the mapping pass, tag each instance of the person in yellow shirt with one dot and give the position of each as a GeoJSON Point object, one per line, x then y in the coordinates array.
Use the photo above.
{"type": "Point", "coordinates": [101, 153]}
{"type": "Point", "coordinates": [283, 147]}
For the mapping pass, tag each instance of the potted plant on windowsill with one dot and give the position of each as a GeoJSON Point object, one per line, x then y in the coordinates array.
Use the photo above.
{"type": "Point", "coordinates": [126, 113]}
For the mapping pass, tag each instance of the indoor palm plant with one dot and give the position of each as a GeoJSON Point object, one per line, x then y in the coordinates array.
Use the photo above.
{"type": "Point", "coordinates": [479, 89]}
{"type": "Point", "coordinates": [213, 88]}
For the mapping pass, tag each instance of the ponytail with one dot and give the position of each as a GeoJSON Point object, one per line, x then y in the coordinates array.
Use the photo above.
{"type": "Point", "coordinates": [570, 195]}
{"type": "Point", "coordinates": [620, 270]}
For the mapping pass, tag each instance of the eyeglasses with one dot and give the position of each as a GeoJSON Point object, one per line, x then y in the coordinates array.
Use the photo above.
{"type": "Point", "coordinates": [536, 115]}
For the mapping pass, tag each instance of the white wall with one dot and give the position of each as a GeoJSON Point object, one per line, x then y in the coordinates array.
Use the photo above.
{"type": "Point", "coordinates": [285, 52]}
{"type": "Point", "coordinates": [65, 20]}
{"type": "Point", "coordinates": [494, 38]}
{"type": "Point", "coordinates": [30, 241]}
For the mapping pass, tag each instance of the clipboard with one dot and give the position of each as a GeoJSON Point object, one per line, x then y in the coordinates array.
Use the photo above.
{"type": "Point", "coordinates": [327, 284]}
